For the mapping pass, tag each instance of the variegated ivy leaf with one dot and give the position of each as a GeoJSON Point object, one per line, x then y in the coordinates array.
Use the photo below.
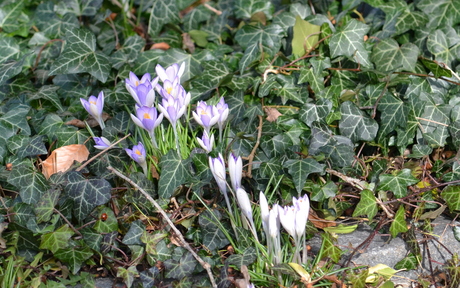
{"type": "Point", "coordinates": [244, 9]}
{"type": "Point", "coordinates": [31, 183]}
{"type": "Point", "coordinates": [450, 195]}
{"type": "Point", "coordinates": [79, 7]}
{"type": "Point", "coordinates": [441, 12]}
{"type": "Point", "coordinates": [50, 24]}
{"type": "Point", "coordinates": [74, 257]}
{"type": "Point", "coordinates": [80, 55]}
{"type": "Point", "coordinates": [87, 193]}
{"type": "Point", "coordinates": [397, 182]}
{"type": "Point", "coordinates": [9, 48]}
{"type": "Point", "coordinates": [367, 205]}
{"type": "Point", "coordinates": [349, 41]}
{"type": "Point", "coordinates": [393, 113]}
{"type": "Point", "coordinates": [192, 61]}
{"type": "Point", "coordinates": [399, 224]}
{"type": "Point", "coordinates": [269, 36]}
{"type": "Point", "coordinates": [174, 172]}
{"type": "Point", "coordinates": [128, 53]}
{"type": "Point", "coordinates": [300, 169]}
{"type": "Point", "coordinates": [388, 56]}
{"type": "Point", "coordinates": [58, 239]}
{"type": "Point", "coordinates": [439, 44]}
{"type": "Point", "coordinates": [434, 121]}
{"type": "Point", "coordinates": [11, 16]}
{"type": "Point", "coordinates": [182, 268]}
{"type": "Point", "coordinates": [355, 124]}
{"type": "Point", "coordinates": [162, 12]}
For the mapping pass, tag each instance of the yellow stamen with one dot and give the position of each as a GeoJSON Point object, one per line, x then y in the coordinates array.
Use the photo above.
{"type": "Point", "coordinates": [147, 116]}
{"type": "Point", "coordinates": [92, 102]}
{"type": "Point", "coordinates": [169, 89]}
{"type": "Point", "coordinates": [138, 152]}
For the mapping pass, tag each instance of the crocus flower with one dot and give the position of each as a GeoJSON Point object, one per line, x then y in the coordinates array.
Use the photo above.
{"type": "Point", "coordinates": [222, 110]}
{"type": "Point", "coordinates": [101, 143]}
{"type": "Point", "coordinates": [206, 115]}
{"type": "Point", "coordinates": [264, 212]}
{"type": "Point", "coordinates": [302, 207]}
{"type": "Point", "coordinates": [217, 167]}
{"type": "Point", "coordinates": [169, 88]}
{"type": "Point", "coordinates": [235, 168]}
{"type": "Point", "coordinates": [206, 142]}
{"type": "Point", "coordinates": [94, 107]}
{"type": "Point", "coordinates": [245, 206]}
{"type": "Point", "coordinates": [274, 221]}
{"type": "Point", "coordinates": [287, 219]}
{"type": "Point", "coordinates": [139, 155]}
{"type": "Point", "coordinates": [142, 90]}
{"type": "Point", "coordinates": [170, 73]}
{"type": "Point", "coordinates": [148, 119]}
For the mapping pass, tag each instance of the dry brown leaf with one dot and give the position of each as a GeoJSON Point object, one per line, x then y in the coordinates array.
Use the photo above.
{"type": "Point", "coordinates": [62, 158]}
{"type": "Point", "coordinates": [161, 45]}
{"type": "Point", "coordinates": [188, 43]}
{"type": "Point", "coordinates": [318, 222]}
{"type": "Point", "coordinates": [272, 114]}
{"type": "Point", "coordinates": [77, 123]}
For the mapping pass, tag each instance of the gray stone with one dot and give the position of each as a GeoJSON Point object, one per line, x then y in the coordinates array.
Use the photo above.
{"type": "Point", "coordinates": [384, 250]}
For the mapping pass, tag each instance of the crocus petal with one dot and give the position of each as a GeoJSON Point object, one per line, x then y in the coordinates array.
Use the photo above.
{"type": "Point", "coordinates": [264, 212]}
{"type": "Point", "coordinates": [244, 203]}
{"type": "Point", "coordinates": [218, 171]}
{"type": "Point", "coordinates": [235, 168]}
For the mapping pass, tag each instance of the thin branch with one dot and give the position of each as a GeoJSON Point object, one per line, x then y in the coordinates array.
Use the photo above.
{"type": "Point", "coordinates": [170, 223]}
{"type": "Point", "coordinates": [100, 153]}
{"type": "Point", "coordinates": [254, 149]}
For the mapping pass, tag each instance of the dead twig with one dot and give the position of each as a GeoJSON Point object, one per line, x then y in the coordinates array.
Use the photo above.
{"type": "Point", "coordinates": [253, 152]}
{"type": "Point", "coordinates": [170, 223]}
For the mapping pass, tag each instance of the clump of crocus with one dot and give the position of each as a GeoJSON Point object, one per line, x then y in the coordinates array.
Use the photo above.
{"type": "Point", "coordinates": [94, 106]}
{"type": "Point", "coordinates": [101, 143]}
{"type": "Point", "coordinates": [171, 73]}
{"type": "Point", "coordinates": [206, 115]}
{"type": "Point", "coordinates": [142, 90]}
{"type": "Point", "coordinates": [148, 119]}
{"type": "Point", "coordinates": [139, 155]}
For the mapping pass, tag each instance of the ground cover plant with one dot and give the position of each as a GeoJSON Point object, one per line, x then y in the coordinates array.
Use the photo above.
{"type": "Point", "coordinates": [187, 143]}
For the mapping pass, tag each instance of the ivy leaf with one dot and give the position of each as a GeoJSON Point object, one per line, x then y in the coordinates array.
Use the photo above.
{"type": "Point", "coordinates": [127, 274]}
{"type": "Point", "coordinates": [44, 208]}
{"type": "Point", "coordinates": [151, 241]}
{"type": "Point", "coordinates": [270, 36]}
{"type": "Point", "coordinates": [147, 61]}
{"type": "Point", "coordinates": [162, 12]}
{"type": "Point", "coordinates": [192, 62]}
{"type": "Point", "coordinates": [56, 240]}
{"type": "Point", "coordinates": [329, 249]}
{"type": "Point", "coordinates": [14, 122]}
{"type": "Point", "coordinates": [80, 55]}
{"type": "Point", "coordinates": [251, 54]}
{"type": "Point", "coordinates": [31, 183]}
{"type": "Point", "coordinates": [434, 67]}
{"type": "Point", "coordinates": [9, 69]}
{"type": "Point", "coordinates": [310, 112]}
{"type": "Point", "coordinates": [79, 7]}
{"type": "Point", "coordinates": [128, 53]}
{"type": "Point", "coordinates": [355, 124]}
{"type": "Point", "coordinates": [410, 262]}
{"type": "Point", "coordinates": [389, 57]}
{"type": "Point", "coordinates": [450, 195]}
{"type": "Point", "coordinates": [52, 25]}
{"type": "Point", "coordinates": [74, 257]}
{"type": "Point", "coordinates": [393, 113]}
{"type": "Point", "coordinates": [367, 205]}
{"type": "Point", "coordinates": [148, 277]}
{"type": "Point", "coordinates": [323, 192]}
{"type": "Point", "coordinates": [300, 169]}
{"type": "Point", "coordinates": [87, 193]}
{"type": "Point", "coordinates": [399, 224]}
{"type": "Point", "coordinates": [9, 48]}
{"type": "Point", "coordinates": [48, 92]}
{"type": "Point", "coordinates": [438, 44]}
{"type": "Point", "coordinates": [305, 36]}
{"type": "Point", "coordinates": [106, 224]}
{"type": "Point", "coordinates": [244, 9]}
{"type": "Point", "coordinates": [182, 268]}
{"type": "Point", "coordinates": [245, 259]}
{"type": "Point", "coordinates": [441, 13]}
{"type": "Point", "coordinates": [397, 182]}
{"type": "Point", "coordinates": [132, 237]}
{"type": "Point", "coordinates": [174, 172]}
{"type": "Point", "coordinates": [10, 15]}
{"type": "Point", "coordinates": [349, 41]}
{"type": "Point", "coordinates": [434, 121]}
{"type": "Point", "coordinates": [212, 235]}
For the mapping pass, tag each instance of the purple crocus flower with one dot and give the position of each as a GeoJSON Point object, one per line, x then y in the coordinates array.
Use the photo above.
{"type": "Point", "coordinates": [101, 143]}
{"type": "Point", "coordinates": [169, 88]}
{"type": "Point", "coordinates": [222, 110]}
{"type": "Point", "coordinates": [206, 142]}
{"type": "Point", "coordinates": [171, 72]}
{"type": "Point", "coordinates": [148, 119]}
{"type": "Point", "coordinates": [217, 167]}
{"type": "Point", "coordinates": [139, 155]}
{"type": "Point", "coordinates": [94, 107]}
{"type": "Point", "coordinates": [235, 168]}
{"type": "Point", "coordinates": [205, 115]}
{"type": "Point", "coordinates": [142, 90]}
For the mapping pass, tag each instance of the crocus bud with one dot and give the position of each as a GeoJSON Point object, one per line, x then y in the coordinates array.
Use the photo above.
{"type": "Point", "coordinates": [94, 107]}
{"type": "Point", "coordinates": [264, 212]}
{"type": "Point", "coordinates": [244, 203]}
{"type": "Point", "coordinates": [287, 219]}
{"type": "Point", "coordinates": [101, 143]}
{"type": "Point", "coordinates": [217, 167]}
{"type": "Point", "coordinates": [235, 168]}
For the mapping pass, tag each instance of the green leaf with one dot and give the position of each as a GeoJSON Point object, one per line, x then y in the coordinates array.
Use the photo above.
{"type": "Point", "coordinates": [87, 193]}
{"type": "Point", "coordinates": [52, 25]}
{"type": "Point", "coordinates": [244, 9]}
{"type": "Point", "coordinates": [48, 92]}
{"type": "Point", "coordinates": [456, 231]}
{"type": "Point", "coordinates": [10, 16]}
{"type": "Point", "coordinates": [128, 53]}
{"type": "Point", "coordinates": [355, 124]}
{"type": "Point", "coordinates": [174, 172]}
{"type": "Point", "coordinates": [245, 259]}
{"type": "Point", "coordinates": [14, 122]}
{"type": "Point", "coordinates": [127, 274]}
{"type": "Point", "coordinates": [9, 69]}
{"type": "Point", "coordinates": [305, 36]}
{"type": "Point", "coordinates": [434, 67]}
{"type": "Point", "coordinates": [329, 249]}
{"type": "Point", "coordinates": [151, 241]}
{"type": "Point", "coordinates": [300, 169]}
{"type": "Point", "coordinates": [399, 224]}
{"type": "Point", "coordinates": [31, 183]}
{"type": "Point", "coordinates": [133, 236]}
{"type": "Point", "coordinates": [251, 54]}
{"type": "Point", "coordinates": [80, 55]}
{"type": "Point", "coordinates": [212, 235]}
{"type": "Point", "coordinates": [270, 36]}
{"type": "Point", "coordinates": [389, 57]}
{"type": "Point", "coordinates": [182, 268]}
{"type": "Point", "coordinates": [393, 113]}
{"type": "Point", "coordinates": [162, 12]}
{"type": "Point", "coordinates": [397, 182]}
{"type": "Point", "coordinates": [439, 45]}
{"type": "Point", "coordinates": [441, 12]}
{"type": "Point", "coordinates": [367, 205]}
{"type": "Point", "coordinates": [44, 208]}
{"type": "Point", "coordinates": [56, 240]}
{"type": "Point", "coordinates": [409, 262]}
{"type": "Point", "coordinates": [79, 7]}
{"type": "Point", "coordinates": [450, 195]}
{"type": "Point", "coordinates": [310, 113]}
{"type": "Point", "coordinates": [349, 41]}
{"type": "Point", "coordinates": [192, 62]}
{"type": "Point", "coordinates": [434, 121]}
{"type": "Point", "coordinates": [74, 257]}
{"type": "Point", "coordinates": [9, 48]}
{"type": "Point", "coordinates": [323, 192]}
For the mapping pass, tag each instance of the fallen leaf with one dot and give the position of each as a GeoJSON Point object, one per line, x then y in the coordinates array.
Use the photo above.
{"type": "Point", "coordinates": [272, 114]}
{"type": "Point", "coordinates": [188, 43]}
{"type": "Point", "coordinates": [62, 158]}
{"type": "Point", "coordinates": [318, 222]}
{"type": "Point", "coordinates": [160, 45]}
{"type": "Point", "coordinates": [77, 123]}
